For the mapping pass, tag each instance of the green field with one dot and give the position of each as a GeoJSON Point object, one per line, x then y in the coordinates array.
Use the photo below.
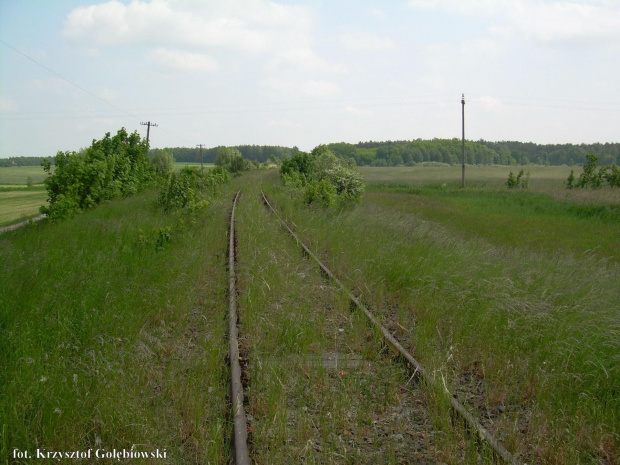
{"type": "Point", "coordinates": [544, 217]}
{"type": "Point", "coordinates": [19, 175]}
{"type": "Point", "coordinates": [490, 176]}
{"type": "Point", "coordinates": [18, 203]}
{"type": "Point", "coordinates": [114, 331]}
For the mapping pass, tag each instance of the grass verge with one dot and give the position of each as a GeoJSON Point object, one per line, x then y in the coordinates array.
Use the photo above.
{"type": "Point", "coordinates": [113, 333]}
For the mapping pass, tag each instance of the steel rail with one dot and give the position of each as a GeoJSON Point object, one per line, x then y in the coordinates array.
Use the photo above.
{"type": "Point", "coordinates": [418, 368]}
{"type": "Point", "coordinates": [241, 455]}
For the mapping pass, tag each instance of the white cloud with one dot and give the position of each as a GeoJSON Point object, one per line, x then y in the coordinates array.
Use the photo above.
{"type": "Point", "coordinates": [378, 13]}
{"type": "Point", "coordinates": [108, 94]}
{"type": "Point", "coordinates": [312, 88]}
{"type": "Point", "coordinates": [358, 41]}
{"type": "Point", "coordinates": [551, 22]}
{"type": "Point", "coordinates": [468, 7]}
{"type": "Point", "coordinates": [487, 102]}
{"type": "Point", "coordinates": [567, 22]}
{"type": "Point", "coordinates": [7, 105]}
{"type": "Point", "coordinates": [304, 58]}
{"type": "Point", "coordinates": [432, 82]}
{"type": "Point", "coordinates": [51, 84]}
{"type": "Point", "coordinates": [252, 26]}
{"type": "Point", "coordinates": [481, 50]}
{"type": "Point", "coordinates": [178, 60]}
{"type": "Point", "coordinates": [284, 123]}
{"type": "Point", "coordinates": [320, 89]}
{"type": "Point", "coordinates": [359, 112]}
{"type": "Point", "coordinates": [278, 85]}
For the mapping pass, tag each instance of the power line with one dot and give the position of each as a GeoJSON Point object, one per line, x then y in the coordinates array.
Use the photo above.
{"type": "Point", "coordinates": [201, 146]}
{"type": "Point", "coordinates": [463, 138]}
{"type": "Point", "coordinates": [65, 79]}
{"type": "Point", "coordinates": [148, 125]}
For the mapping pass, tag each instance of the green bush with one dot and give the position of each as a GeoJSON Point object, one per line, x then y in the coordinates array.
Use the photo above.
{"type": "Point", "coordinates": [110, 167]}
{"type": "Point", "coordinates": [163, 161]}
{"type": "Point", "coordinates": [231, 159]}
{"type": "Point", "coordinates": [612, 175]}
{"type": "Point", "coordinates": [191, 188]}
{"type": "Point", "coordinates": [326, 179]}
{"type": "Point", "coordinates": [320, 192]}
{"type": "Point", "coordinates": [518, 180]}
{"type": "Point", "coordinates": [593, 179]}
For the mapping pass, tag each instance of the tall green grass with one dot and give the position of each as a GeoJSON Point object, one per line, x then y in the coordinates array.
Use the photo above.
{"type": "Point", "coordinates": [112, 332]}
{"type": "Point", "coordinates": [320, 390]}
{"type": "Point", "coordinates": [527, 336]}
{"type": "Point", "coordinates": [524, 219]}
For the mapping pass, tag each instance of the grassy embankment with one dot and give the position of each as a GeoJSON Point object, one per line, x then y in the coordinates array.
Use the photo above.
{"type": "Point", "coordinates": [509, 297]}
{"type": "Point", "coordinates": [113, 333]}
{"type": "Point", "coordinates": [19, 202]}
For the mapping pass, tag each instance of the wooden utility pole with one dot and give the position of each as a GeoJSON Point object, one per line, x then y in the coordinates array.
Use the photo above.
{"type": "Point", "coordinates": [463, 138]}
{"type": "Point", "coordinates": [201, 146]}
{"type": "Point", "coordinates": [148, 125]}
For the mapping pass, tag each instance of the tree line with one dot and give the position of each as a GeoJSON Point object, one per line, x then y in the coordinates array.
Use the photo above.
{"type": "Point", "coordinates": [449, 151]}
{"type": "Point", "coordinates": [24, 161]}
{"type": "Point", "coordinates": [395, 153]}
{"type": "Point", "coordinates": [259, 153]}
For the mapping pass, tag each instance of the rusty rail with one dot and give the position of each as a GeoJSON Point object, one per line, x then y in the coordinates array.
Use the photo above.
{"type": "Point", "coordinates": [241, 455]}
{"type": "Point", "coordinates": [418, 368]}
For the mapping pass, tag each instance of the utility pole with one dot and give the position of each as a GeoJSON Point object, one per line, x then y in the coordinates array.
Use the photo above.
{"type": "Point", "coordinates": [201, 146]}
{"type": "Point", "coordinates": [463, 138]}
{"type": "Point", "coordinates": [148, 125]}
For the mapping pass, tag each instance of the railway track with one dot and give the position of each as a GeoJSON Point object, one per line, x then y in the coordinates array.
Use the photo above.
{"type": "Point", "coordinates": [351, 363]}
{"type": "Point", "coordinates": [240, 428]}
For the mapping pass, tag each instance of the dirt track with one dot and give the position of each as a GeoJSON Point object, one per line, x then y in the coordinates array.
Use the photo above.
{"type": "Point", "coordinates": [20, 224]}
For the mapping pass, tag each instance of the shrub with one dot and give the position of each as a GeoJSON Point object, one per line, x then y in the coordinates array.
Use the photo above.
{"type": "Point", "coordinates": [326, 179]}
{"type": "Point", "coordinates": [518, 181]}
{"type": "Point", "coordinates": [595, 180]}
{"type": "Point", "coordinates": [588, 177]}
{"type": "Point", "coordinates": [191, 188]}
{"type": "Point", "coordinates": [612, 176]}
{"type": "Point", "coordinates": [232, 160]}
{"type": "Point", "coordinates": [320, 192]}
{"type": "Point", "coordinates": [163, 161]}
{"type": "Point", "coordinates": [110, 167]}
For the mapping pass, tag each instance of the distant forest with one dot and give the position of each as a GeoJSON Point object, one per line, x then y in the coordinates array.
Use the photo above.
{"type": "Point", "coordinates": [410, 153]}
{"type": "Point", "coordinates": [260, 153]}
{"type": "Point", "coordinates": [24, 161]}
{"type": "Point", "coordinates": [394, 153]}
{"type": "Point", "coordinates": [476, 152]}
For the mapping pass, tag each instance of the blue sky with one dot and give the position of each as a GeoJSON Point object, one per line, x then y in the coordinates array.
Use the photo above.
{"type": "Point", "coordinates": [306, 72]}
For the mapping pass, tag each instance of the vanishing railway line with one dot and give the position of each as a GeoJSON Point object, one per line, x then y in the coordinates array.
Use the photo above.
{"type": "Point", "coordinates": [240, 429]}
{"type": "Point", "coordinates": [351, 364]}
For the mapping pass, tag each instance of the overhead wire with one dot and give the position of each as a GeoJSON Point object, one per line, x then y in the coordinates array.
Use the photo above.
{"type": "Point", "coordinates": [268, 107]}
{"type": "Point", "coordinates": [66, 80]}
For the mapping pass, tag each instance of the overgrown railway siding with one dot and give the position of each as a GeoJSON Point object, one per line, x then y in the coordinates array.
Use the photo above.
{"type": "Point", "coordinates": [319, 388]}
{"type": "Point", "coordinates": [499, 324]}
{"type": "Point", "coordinates": [394, 344]}
{"type": "Point", "coordinates": [240, 427]}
